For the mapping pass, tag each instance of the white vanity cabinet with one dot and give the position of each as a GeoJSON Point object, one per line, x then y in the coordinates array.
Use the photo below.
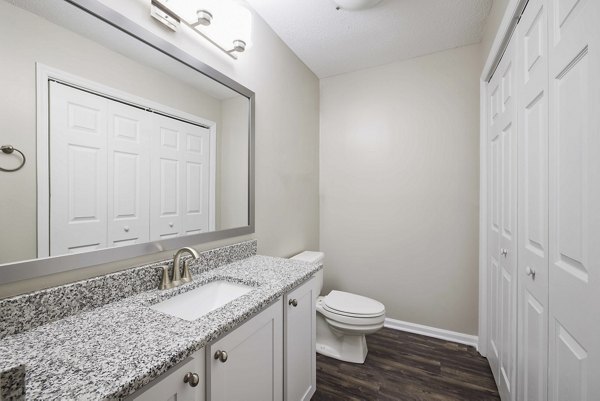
{"type": "Point", "coordinates": [247, 364]}
{"type": "Point", "coordinates": [300, 370]}
{"type": "Point", "coordinates": [171, 385]}
{"type": "Point", "coordinates": [271, 357]}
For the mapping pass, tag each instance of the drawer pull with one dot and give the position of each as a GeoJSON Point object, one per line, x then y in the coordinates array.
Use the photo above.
{"type": "Point", "coordinates": [221, 356]}
{"type": "Point", "coordinates": [293, 302]}
{"type": "Point", "coordinates": [191, 378]}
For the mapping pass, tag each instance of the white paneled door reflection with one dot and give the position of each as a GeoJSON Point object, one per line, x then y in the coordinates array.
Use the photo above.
{"type": "Point", "coordinates": [179, 194]}
{"type": "Point", "coordinates": [121, 175]}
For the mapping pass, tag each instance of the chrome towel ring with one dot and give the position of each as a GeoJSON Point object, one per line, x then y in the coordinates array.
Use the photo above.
{"type": "Point", "coordinates": [8, 149]}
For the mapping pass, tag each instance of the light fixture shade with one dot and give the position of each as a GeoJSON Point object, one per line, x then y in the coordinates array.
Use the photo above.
{"type": "Point", "coordinates": [356, 4]}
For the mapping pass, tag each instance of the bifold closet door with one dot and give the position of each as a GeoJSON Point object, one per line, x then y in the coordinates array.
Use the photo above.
{"type": "Point", "coordinates": [532, 99]}
{"type": "Point", "coordinates": [78, 170]}
{"type": "Point", "coordinates": [99, 163]}
{"type": "Point", "coordinates": [502, 223]}
{"type": "Point", "coordinates": [128, 143]}
{"type": "Point", "coordinates": [180, 189]}
{"type": "Point", "coordinates": [574, 207]}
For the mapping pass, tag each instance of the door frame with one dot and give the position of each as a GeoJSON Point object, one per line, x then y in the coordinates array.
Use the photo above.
{"type": "Point", "coordinates": [45, 73]}
{"type": "Point", "coordinates": [507, 27]}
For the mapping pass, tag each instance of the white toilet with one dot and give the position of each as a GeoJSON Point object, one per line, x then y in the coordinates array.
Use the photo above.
{"type": "Point", "coordinates": [343, 319]}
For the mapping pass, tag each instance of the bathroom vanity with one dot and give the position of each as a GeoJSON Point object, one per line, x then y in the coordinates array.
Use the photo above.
{"type": "Point", "coordinates": [260, 345]}
{"type": "Point", "coordinates": [269, 357]}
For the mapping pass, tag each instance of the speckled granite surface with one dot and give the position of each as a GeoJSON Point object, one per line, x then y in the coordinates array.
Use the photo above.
{"type": "Point", "coordinates": [111, 351]}
{"type": "Point", "coordinates": [25, 312]}
{"type": "Point", "coordinates": [12, 383]}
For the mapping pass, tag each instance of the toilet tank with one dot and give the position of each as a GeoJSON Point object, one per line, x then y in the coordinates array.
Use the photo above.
{"type": "Point", "coordinates": [313, 257]}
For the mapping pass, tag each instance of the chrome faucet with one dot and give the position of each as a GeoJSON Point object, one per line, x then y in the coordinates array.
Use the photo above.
{"type": "Point", "coordinates": [177, 278]}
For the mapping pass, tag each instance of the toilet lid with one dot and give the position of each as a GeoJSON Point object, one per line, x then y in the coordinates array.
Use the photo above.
{"type": "Point", "coordinates": [353, 305]}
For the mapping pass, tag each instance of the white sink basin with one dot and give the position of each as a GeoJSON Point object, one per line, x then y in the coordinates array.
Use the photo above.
{"type": "Point", "coordinates": [198, 302]}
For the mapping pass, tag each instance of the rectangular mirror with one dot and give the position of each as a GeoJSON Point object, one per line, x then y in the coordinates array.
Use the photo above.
{"type": "Point", "coordinates": [132, 146]}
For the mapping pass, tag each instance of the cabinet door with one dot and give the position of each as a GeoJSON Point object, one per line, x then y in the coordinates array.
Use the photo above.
{"type": "Point", "coordinates": [502, 232]}
{"type": "Point", "coordinates": [532, 96]}
{"type": "Point", "coordinates": [300, 371]}
{"type": "Point", "coordinates": [574, 291]}
{"type": "Point", "coordinates": [253, 368]}
{"type": "Point", "coordinates": [171, 387]}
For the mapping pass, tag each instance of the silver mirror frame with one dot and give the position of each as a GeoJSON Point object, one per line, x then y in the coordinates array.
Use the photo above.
{"type": "Point", "coordinates": [41, 267]}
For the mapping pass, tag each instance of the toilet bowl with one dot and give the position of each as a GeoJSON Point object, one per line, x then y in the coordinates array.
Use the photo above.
{"type": "Point", "coordinates": [343, 319]}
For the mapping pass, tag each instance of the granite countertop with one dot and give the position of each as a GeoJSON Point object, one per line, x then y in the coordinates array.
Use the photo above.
{"type": "Point", "coordinates": [111, 351]}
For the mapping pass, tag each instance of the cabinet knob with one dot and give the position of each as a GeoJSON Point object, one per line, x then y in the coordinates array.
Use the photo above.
{"type": "Point", "coordinates": [293, 302]}
{"type": "Point", "coordinates": [171, 224]}
{"type": "Point", "coordinates": [221, 356]}
{"type": "Point", "coordinates": [126, 229]}
{"type": "Point", "coordinates": [504, 252]}
{"type": "Point", "coordinates": [530, 272]}
{"type": "Point", "coordinates": [191, 378]}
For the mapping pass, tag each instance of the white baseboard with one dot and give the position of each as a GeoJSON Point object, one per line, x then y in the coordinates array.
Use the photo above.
{"type": "Point", "coordinates": [434, 332]}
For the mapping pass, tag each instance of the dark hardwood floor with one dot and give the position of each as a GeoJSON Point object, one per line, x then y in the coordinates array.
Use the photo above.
{"type": "Point", "coordinates": [405, 366]}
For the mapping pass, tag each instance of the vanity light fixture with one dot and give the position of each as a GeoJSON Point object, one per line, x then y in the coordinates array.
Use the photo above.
{"type": "Point", "coordinates": [354, 5]}
{"type": "Point", "coordinates": [226, 24]}
{"type": "Point", "coordinates": [204, 18]}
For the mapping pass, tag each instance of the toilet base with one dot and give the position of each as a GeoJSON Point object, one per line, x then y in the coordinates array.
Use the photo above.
{"type": "Point", "coordinates": [337, 345]}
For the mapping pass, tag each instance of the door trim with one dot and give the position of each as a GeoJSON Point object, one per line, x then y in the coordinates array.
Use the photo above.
{"type": "Point", "coordinates": [46, 73]}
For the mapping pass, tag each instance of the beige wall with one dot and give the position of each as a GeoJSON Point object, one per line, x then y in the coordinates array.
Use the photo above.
{"type": "Point", "coordinates": [399, 186]}
{"type": "Point", "coordinates": [287, 128]}
{"type": "Point", "coordinates": [491, 26]}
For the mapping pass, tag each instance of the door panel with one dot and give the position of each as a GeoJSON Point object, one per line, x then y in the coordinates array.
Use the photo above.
{"type": "Point", "coordinates": [574, 208]}
{"type": "Point", "coordinates": [532, 95]}
{"type": "Point", "coordinates": [197, 179]}
{"type": "Point", "coordinates": [533, 349]}
{"type": "Point", "coordinates": [503, 224]}
{"type": "Point", "coordinates": [78, 179]}
{"type": "Point", "coordinates": [128, 181]}
{"type": "Point", "coordinates": [180, 195]}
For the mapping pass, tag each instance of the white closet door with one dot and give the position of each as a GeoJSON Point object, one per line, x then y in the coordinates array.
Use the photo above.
{"type": "Point", "coordinates": [128, 144]}
{"type": "Point", "coordinates": [574, 334]}
{"type": "Point", "coordinates": [78, 174]}
{"type": "Point", "coordinates": [532, 97]}
{"type": "Point", "coordinates": [195, 160]}
{"type": "Point", "coordinates": [502, 286]}
{"type": "Point", "coordinates": [180, 183]}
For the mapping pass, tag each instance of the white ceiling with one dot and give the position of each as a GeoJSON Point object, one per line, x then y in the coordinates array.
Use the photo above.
{"type": "Point", "coordinates": [332, 42]}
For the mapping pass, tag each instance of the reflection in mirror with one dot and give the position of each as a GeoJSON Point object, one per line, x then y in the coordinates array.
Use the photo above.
{"type": "Point", "coordinates": [125, 144]}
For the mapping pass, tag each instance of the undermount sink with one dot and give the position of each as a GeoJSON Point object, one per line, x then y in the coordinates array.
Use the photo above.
{"type": "Point", "coordinates": [198, 302]}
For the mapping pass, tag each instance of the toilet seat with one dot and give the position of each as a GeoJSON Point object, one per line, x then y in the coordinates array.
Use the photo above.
{"type": "Point", "coordinates": [352, 305]}
{"type": "Point", "coordinates": [360, 321]}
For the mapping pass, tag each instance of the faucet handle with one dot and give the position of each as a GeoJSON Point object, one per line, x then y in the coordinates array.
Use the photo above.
{"type": "Point", "coordinates": [165, 282]}
{"type": "Point", "coordinates": [187, 276]}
